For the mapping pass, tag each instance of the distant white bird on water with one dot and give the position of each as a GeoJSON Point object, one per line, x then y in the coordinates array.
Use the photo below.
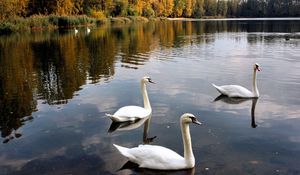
{"type": "Point", "coordinates": [88, 30]}
{"type": "Point", "coordinates": [239, 91]}
{"type": "Point", "coordinates": [75, 31]}
{"type": "Point", "coordinates": [161, 158]}
{"type": "Point", "coordinates": [131, 113]}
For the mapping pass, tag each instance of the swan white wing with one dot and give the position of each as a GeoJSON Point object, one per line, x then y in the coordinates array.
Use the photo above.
{"type": "Point", "coordinates": [234, 91]}
{"type": "Point", "coordinates": [130, 113]}
{"type": "Point", "coordinates": [153, 157]}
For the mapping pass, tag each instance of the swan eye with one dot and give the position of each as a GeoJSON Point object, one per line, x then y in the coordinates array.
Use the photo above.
{"type": "Point", "coordinates": [150, 81]}
{"type": "Point", "coordinates": [194, 120]}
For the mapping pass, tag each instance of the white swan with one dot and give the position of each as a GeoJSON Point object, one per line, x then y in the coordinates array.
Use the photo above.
{"type": "Point", "coordinates": [88, 30]}
{"type": "Point", "coordinates": [239, 91]}
{"type": "Point", "coordinates": [131, 113]}
{"type": "Point", "coordinates": [161, 158]}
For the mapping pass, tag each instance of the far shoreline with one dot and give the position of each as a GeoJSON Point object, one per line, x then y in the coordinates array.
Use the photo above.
{"type": "Point", "coordinates": [235, 19]}
{"type": "Point", "coordinates": [53, 22]}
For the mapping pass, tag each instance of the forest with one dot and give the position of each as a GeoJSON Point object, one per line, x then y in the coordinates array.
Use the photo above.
{"type": "Point", "coordinates": [151, 8]}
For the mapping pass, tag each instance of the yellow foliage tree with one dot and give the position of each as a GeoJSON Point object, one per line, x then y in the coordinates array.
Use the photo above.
{"type": "Point", "coordinates": [169, 5]}
{"type": "Point", "coordinates": [64, 7]}
{"type": "Point", "coordinates": [158, 8]}
{"type": "Point", "coordinates": [188, 8]}
{"type": "Point", "coordinates": [12, 8]}
{"type": "Point", "coordinates": [139, 7]}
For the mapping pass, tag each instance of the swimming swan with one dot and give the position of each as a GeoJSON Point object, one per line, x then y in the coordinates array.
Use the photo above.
{"type": "Point", "coordinates": [161, 158]}
{"type": "Point", "coordinates": [131, 113]}
{"type": "Point", "coordinates": [75, 31]}
{"type": "Point", "coordinates": [239, 91]}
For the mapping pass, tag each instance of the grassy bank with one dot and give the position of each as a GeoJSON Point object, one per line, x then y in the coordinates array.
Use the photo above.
{"type": "Point", "coordinates": [40, 22]}
{"type": "Point", "coordinates": [52, 22]}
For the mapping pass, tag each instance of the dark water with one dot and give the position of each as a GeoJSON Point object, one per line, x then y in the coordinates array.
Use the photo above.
{"type": "Point", "coordinates": [56, 87]}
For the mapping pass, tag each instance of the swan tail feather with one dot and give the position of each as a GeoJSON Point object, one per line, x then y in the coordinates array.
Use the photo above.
{"type": "Point", "coordinates": [113, 118]}
{"type": "Point", "coordinates": [215, 86]}
{"type": "Point", "coordinates": [108, 115]}
{"type": "Point", "coordinates": [218, 89]}
{"type": "Point", "coordinates": [123, 150]}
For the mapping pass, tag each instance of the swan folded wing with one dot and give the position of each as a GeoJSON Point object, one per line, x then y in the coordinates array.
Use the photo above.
{"type": "Point", "coordinates": [156, 157]}
{"type": "Point", "coordinates": [133, 111]}
{"type": "Point", "coordinates": [234, 91]}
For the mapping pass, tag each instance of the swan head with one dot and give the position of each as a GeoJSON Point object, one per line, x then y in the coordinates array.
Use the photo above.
{"type": "Point", "coordinates": [147, 79]}
{"type": "Point", "coordinates": [189, 118]}
{"type": "Point", "coordinates": [256, 67]}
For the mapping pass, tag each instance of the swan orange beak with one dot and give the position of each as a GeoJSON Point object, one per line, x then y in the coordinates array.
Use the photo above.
{"type": "Point", "coordinates": [258, 68]}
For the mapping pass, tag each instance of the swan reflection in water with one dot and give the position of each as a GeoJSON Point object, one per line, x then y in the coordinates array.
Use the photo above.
{"type": "Point", "coordinates": [135, 167]}
{"type": "Point", "coordinates": [230, 100]}
{"type": "Point", "coordinates": [130, 125]}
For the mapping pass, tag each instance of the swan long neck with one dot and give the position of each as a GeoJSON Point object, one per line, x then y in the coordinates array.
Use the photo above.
{"type": "Point", "coordinates": [254, 88]}
{"type": "Point", "coordinates": [145, 96]}
{"type": "Point", "coordinates": [187, 145]}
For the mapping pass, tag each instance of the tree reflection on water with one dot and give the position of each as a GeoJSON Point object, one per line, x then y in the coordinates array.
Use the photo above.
{"type": "Point", "coordinates": [51, 67]}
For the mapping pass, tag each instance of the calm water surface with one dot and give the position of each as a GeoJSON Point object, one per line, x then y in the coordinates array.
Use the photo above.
{"type": "Point", "coordinates": [56, 87]}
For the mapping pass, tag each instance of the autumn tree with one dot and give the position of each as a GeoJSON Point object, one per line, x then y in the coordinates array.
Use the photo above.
{"type": "Point", "coordinates": [64, 7]}
{"type": "Point", "coordinates": [188, 8]}
{"type": "Point", "coordinates": [147, 8]}
{"type": "Point", "coordinates": [151, 8]}
{"type": "Point", "coordinates": [78, 7]}
{"type": "Point", "coordinates": [13, 8]}
{"type": "Point", "coordinates": [158, 8]}
{"type": "Point", "coordinates": [169, 6]}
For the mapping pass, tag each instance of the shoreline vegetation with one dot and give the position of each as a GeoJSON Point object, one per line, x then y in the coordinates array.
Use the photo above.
{"type": "Point", "coordinates": [32, 15]}
{"type": "Point", "coordinates": [54, 22]}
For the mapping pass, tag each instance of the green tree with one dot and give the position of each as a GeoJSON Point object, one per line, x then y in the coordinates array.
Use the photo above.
{"type": "Point", "coordinates": [221, 8]}
{"type": "Point", "coordinates": [120, 8]}
{"type": "Point", "coordinates": [232, 8]}
{"type": "Point", "coordinates": [179, 6]}
{"type": "Point", "coordinates": [198, 10]}
{"type": "Point", "coordinates": [210, 7]}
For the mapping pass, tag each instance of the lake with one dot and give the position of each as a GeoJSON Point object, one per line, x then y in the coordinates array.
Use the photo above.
{"type": "Point", "coordinates": [55, 88]}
